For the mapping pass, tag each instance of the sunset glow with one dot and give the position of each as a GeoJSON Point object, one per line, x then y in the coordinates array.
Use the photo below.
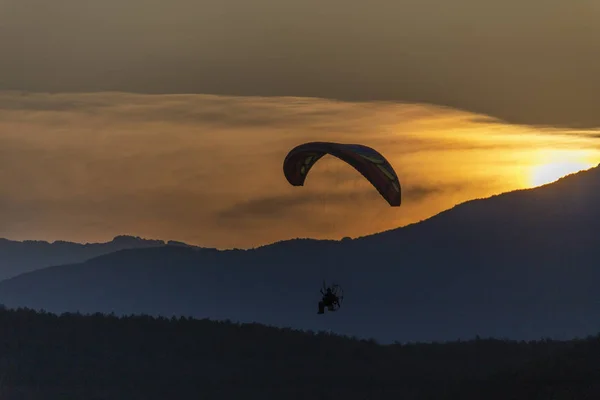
{"type": "Point", "coordinates": [208, 169]}
{"type": "Point", "coordinates": [550, 172]}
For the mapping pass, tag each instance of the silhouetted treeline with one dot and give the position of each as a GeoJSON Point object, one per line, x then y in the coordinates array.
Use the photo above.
{"type": "Point", "coordinates": [45, 356]}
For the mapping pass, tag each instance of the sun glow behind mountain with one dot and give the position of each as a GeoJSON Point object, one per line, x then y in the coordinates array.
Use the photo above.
{"type": "Point", "coordinates": [556, 164]}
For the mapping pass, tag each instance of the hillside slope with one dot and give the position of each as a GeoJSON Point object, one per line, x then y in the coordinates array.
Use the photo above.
{"type": "Point", "coordinates": [17, 257]}
{"type": "Point", "coordinates": [520, 265]}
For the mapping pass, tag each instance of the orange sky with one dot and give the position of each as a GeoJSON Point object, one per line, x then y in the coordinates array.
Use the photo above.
{"type": "Point", "coordinates": [471, 89]}
{"type": "Point", "coordinates": [207, 169]}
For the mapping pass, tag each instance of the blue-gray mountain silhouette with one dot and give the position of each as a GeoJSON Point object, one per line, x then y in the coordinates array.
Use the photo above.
{"type": "Point", "coordinates": [17, 257]}
{"type": "Point", "coordinates": [520, 265]}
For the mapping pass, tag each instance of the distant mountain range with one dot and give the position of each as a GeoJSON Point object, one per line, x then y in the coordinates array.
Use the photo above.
{"type": "Point", "coordinates": [18, 257]}
{"type": "Point", "coordinates": [520, 265]}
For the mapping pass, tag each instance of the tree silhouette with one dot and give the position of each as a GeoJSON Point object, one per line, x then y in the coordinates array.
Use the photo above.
{"type": "Point", "coordinates": [46, 356]}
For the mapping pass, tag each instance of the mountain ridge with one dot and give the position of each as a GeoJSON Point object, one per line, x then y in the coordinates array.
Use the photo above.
{"type": "Point", "coordinates": [18, 257]}
{"type": "Point", "coordinates": [519, 265]}
{"type": "Point", "coordinates": [131, 238]}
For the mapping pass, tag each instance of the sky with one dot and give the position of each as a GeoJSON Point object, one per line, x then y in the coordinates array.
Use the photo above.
{"type": "Point", "coordinates": [171, 120]}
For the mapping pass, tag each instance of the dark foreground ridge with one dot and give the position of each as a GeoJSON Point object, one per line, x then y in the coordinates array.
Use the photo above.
{"type": "Point", "coordinates": [45, 356]}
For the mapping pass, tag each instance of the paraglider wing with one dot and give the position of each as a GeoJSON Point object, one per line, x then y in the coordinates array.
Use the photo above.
{"type": "Point", "coordinates": [369, 162]}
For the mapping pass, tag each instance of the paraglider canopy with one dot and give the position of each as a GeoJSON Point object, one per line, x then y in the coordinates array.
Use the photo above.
{"type": "Point", "coordinates": [369, 162]}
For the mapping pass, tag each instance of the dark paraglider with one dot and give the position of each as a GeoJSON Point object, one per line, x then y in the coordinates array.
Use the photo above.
{"type": "Point", "coordinates": [369, 162]}
{"type": "Point", "coordinates": [333, 296]}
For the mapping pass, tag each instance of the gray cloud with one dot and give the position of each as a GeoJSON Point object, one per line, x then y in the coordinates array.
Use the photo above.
{"type": "Point", "coordinates": [282, 206]}
{"type": "Point", "coordinates": [209, 110]}
{"type": "Point", "coordinates": [522, 61]}
{"type": "Point", "coordinates": [289, 205]}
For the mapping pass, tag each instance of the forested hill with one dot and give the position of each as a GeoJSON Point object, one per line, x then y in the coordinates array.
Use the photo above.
{"type": "Point", "coordinates": [48, 357]}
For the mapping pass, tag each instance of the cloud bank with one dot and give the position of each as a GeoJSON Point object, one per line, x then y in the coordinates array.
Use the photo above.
{"type": "Point", "coordinates": [523, 61]}
{"type": "Point", "coordinates": [207, 169]}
